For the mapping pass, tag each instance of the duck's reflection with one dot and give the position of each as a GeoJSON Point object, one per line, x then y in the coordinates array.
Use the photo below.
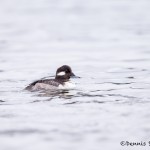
{"type": "Point", "coordinates": [66, 94]}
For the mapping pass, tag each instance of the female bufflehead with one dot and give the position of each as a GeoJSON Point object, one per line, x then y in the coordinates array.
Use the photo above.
{"type": "Point", "coordinates": [61, 81]}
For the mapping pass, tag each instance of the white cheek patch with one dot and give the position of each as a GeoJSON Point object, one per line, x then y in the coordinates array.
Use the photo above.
{"type": "Point", "coordinates": [61, 73]}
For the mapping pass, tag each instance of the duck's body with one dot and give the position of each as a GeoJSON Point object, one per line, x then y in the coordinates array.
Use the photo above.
{"type": "Point", "coordinates": [49, 84]}
{"type": "Point", "coordinates": [61, 81]}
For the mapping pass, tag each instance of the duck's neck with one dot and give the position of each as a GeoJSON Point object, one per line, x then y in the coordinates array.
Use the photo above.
{"type": "Point", "coordinates": [61, 79]}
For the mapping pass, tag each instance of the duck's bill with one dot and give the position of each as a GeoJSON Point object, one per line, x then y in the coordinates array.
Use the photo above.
{"type": "Point", "coordinates": [74, 76]}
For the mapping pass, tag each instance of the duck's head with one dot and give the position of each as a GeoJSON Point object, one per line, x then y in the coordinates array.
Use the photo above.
{"type": "Point", "coordinates": [64, 73]}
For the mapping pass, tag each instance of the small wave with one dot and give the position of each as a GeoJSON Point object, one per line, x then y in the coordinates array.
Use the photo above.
{"type": "Point", "coordinates": [1, 101]}
{"type": "Point", "coordinates": [24, 131]}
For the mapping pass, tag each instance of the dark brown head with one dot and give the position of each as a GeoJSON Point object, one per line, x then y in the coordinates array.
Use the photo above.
{"type": "Point", "coordinates": [64, 73]}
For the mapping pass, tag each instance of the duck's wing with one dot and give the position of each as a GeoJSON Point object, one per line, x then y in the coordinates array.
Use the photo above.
{"type": "Point", "coordinates": [40, 84]}
{"type": "Point", "coordinates": [51, 82]}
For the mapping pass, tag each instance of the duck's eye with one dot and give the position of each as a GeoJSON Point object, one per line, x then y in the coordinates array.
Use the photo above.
{"type": "Point", "coordinates": [67, 71]}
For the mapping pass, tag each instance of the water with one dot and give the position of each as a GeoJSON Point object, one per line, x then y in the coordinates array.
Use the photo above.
{"type": "Point", "coordinates": [106, 43]}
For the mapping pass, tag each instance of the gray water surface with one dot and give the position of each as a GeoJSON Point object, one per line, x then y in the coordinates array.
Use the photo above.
{"type": "Point", "coordinates": [107, 44]}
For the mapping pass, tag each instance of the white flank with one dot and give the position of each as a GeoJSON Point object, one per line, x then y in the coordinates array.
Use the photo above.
{"type": "Point", "coordinates": [61, 73]}
{"type": "Point", "coordinates": [67, 85]}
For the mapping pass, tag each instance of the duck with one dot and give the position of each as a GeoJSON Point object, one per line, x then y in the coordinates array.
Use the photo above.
{"type": "Point", "coordinates": [61, 81]}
